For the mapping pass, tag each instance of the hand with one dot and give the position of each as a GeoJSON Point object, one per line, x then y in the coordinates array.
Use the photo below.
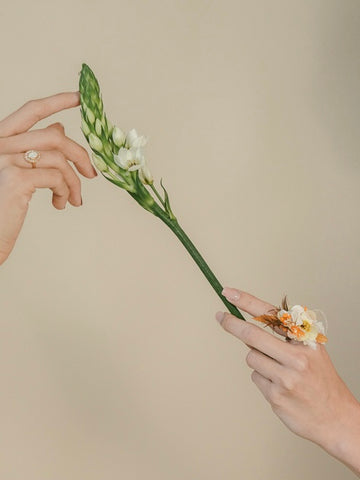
{"type": "Point", "coordinates": [300, 383]}
{"type": "Point", "coordinates": [18, 180]}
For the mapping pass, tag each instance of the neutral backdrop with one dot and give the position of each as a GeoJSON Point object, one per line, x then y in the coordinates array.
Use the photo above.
{"type": "Point", "coordinates": [112, 365]}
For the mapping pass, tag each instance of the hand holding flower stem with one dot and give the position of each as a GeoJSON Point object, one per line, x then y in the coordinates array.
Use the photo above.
{"type": "Point", "coordinates": [121, 160]}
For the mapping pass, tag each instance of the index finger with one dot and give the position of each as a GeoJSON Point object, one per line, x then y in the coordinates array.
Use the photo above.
{"type": "Point", "coordinates": [247, 302]}
{"type": "Point", "coordinates": [35, 110]}
{"type": "Point", "coordinates": [256, 337]}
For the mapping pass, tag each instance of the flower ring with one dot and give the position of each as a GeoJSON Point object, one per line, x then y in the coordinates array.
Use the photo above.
{"type": "Point", "coordinates": [298, 323]}
{"type": "Point", "coordinates": [32, 156]}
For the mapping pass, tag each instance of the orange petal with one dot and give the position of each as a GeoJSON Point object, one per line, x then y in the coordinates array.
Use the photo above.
{"type": "Point", "coordinates": [321, 338]}
{"type": "Point", "coordinates": [297, 331]}
{"type": "Point", "coordinates": [260, 319]}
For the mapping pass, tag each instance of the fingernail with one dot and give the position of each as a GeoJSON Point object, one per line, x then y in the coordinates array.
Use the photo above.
{"type": "Point", "coordinates": [94, 172]}
{"type": "Point", "coordinates": [220, 316]}
{"type": "Point", "coordinates": [231, 294]}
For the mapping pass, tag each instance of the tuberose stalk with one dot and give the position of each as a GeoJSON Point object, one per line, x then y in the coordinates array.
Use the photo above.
{"type": "Point", "coordinates": [198, 258]}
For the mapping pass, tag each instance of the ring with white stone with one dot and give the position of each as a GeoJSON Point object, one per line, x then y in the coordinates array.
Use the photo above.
{"type": "Point", "coordinates": [32, 156]}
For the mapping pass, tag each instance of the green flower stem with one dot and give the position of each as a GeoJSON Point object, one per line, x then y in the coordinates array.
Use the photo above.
{"type": "Point", "coordinates": [197, 257]}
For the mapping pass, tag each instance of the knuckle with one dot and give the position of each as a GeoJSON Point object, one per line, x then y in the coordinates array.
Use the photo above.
{"type": "Point", "coordinates": [58, 126]}
{"type": "Point", "coordinates": [226, 322]}
{"type": "Point", "coordinates": [301, 363]}
{"type": "Point", "coordinates": [57, 158]}
{"type": "Point", "coordinates": [56, 137]}
{"type": "Point", "coordinates": [275, 397]}
{"type": "Point", "coordinates": [64, 190]}
{"type": "Point", "coordinates": [288, 382]}
{"type": "Point", "coordinates": [253, 376]}
{"type": "Point", "coordinates": [250, 358]}
{"type": "Point", "coordinates": [58, 178]}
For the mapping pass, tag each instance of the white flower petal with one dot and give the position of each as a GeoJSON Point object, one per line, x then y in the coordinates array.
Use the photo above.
{"type": "Point", "coordinates": [124, 158]}
{"type": "Point", "coordinates": [138, 155]}
{"type": "Point", "coordinates": [134, 140]}
{"type": "Point", "coordinates": [131, 137]}
{"type": "Point", "coordinates": [145, 175]}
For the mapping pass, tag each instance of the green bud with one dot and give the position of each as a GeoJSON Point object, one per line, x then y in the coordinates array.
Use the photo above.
{"type": "Point", "coordinates": [85, 128]}
{"type": "Point", "coordinates": [118, 137]}
{"type": "Point", "coordinates": [90, 115]}
{"type": "Point", "coordinates": [99, 163]}
{"type": "Point", "coordinates": [98, 127]}
{"type": "Point", "coordinates": [108, 150]}
{"type": "Point", "coordinates": [95, 142]}
{"type": "Point", "coordinates": [108, 124]}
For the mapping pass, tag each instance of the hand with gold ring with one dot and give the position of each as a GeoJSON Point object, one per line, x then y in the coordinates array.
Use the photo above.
{"type": "Point", "coordinates": [31, 159]}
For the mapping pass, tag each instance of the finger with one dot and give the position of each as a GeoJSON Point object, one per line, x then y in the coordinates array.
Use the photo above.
{"type": "Point", "coordinates": [256, 337]}
{"type": "Point", "coordinates": [266, 366]}
{"type": "Point", "coordinates": [52, 179]}
{"type": "Point", "coordinates": [246, 302]}
{"type": "Point", "coordinates": [58, 126]}
{"type": "Point", "coordinates": [263, 384]}
{"type": "Point", "coordinates": [35, 110]}
{"type": "Point", "coordinates": [52, 160]}
{"type": "Point", "coordinates": [51, 138]}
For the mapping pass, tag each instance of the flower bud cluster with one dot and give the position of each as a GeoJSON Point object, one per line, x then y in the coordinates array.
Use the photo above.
{"type": "Point", "coordinates": [115, 153]}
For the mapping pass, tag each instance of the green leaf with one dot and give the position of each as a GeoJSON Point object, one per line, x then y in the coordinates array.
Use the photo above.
{"type": "Point", "coordinates": [167, 202]}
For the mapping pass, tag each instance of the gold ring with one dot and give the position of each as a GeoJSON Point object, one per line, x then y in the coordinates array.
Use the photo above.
{"type": "Point", "coordinates": [32, 156]}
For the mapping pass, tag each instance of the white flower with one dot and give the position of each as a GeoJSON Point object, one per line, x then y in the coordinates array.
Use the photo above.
{"type": "Point", "coordinates": [131, 156]}
{"type": "Point", "coordinates": [131, 159]}
{"type": "Point", "coordinates": [133, 140]}
{"type": "Point", "coordinates": [145, 175]}
{"type": "Point", "coordinates": [296, 312]}
{"type": "Point", "coordinates": [118, 136]}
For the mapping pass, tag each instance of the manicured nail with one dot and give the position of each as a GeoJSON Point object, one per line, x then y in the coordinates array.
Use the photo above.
{"type": "Point", "coordinates": [231, 294]}
{"type": "Point", "coordinates": [220, 316]}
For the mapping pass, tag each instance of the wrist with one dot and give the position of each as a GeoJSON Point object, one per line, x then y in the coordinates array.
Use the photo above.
{"type": "Point", "coordinates": [342, 439]}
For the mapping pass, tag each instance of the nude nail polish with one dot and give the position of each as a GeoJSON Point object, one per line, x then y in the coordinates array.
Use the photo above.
{"type": "Point", "coordinates": [220, 316]}
{"type": "Point", "coordinates": [231, 294]}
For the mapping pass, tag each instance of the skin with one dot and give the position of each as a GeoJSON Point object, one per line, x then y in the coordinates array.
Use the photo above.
{"type": "Point", "coordinates": [301, 384]}
{"type": "Point", "coordinates": [18, 180]}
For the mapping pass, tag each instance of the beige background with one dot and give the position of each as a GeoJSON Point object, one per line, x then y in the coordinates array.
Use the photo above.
{"type": "Point", "coordinates": [111, 363]}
